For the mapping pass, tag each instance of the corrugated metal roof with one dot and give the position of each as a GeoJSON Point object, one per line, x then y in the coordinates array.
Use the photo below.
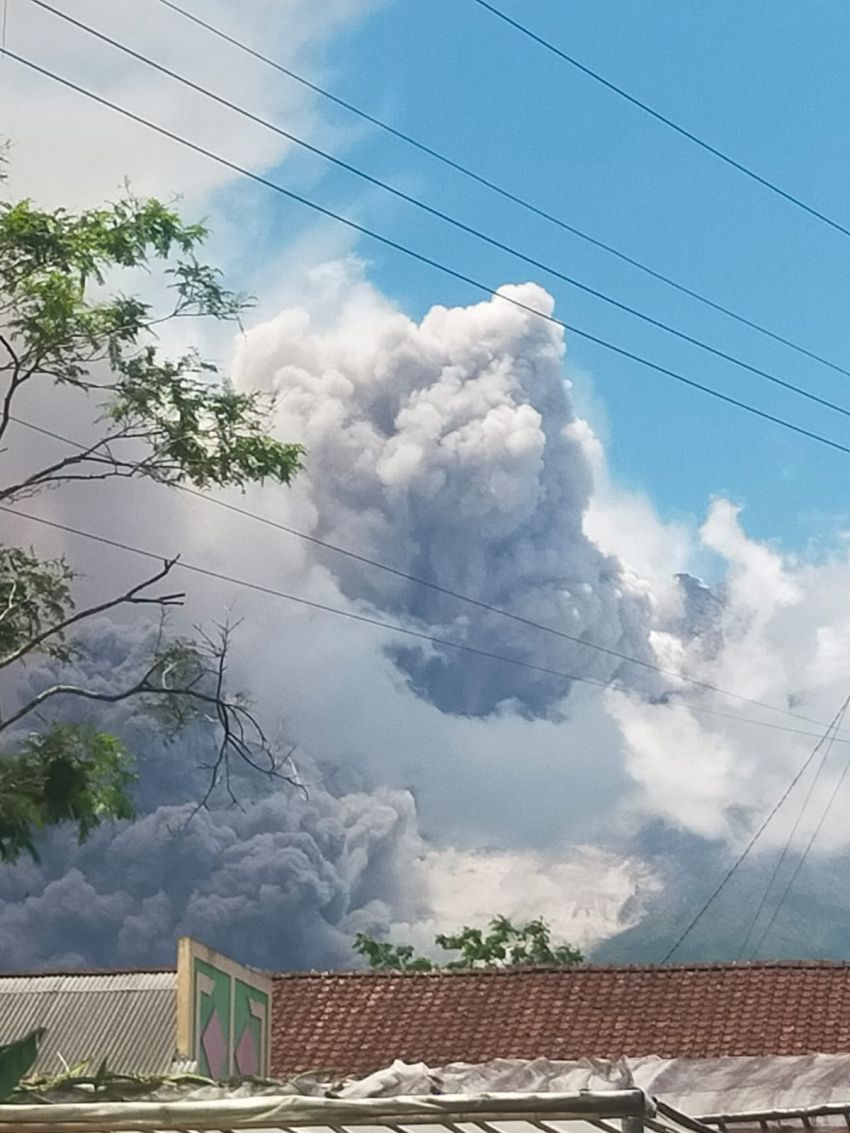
{"type": "Point", "coordinates": [129, 1019]}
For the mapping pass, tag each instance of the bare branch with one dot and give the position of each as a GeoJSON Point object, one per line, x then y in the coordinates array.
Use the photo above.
{"type": "Point", "coordinates": [71, 690]}
{"type": "Point", "coordinates": [17, 379]}
{"type": "Point", "coordinates": [10, 605]}
{"type": "Point", "coordinates": [240, 733]}
{"type": "Point", "coordinates": [10, 350]}
{"type": "Point", "coordinates": [134, 596]}
{"type": "Point", "coordinates": [99, 453]}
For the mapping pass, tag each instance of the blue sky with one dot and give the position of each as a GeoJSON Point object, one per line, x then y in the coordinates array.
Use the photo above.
{"type": "Point", "coordinates": [767, 83]}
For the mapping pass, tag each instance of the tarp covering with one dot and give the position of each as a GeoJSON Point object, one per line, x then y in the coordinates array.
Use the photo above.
{"type": "Point", "coordinates": [502, 1091]}
{"type": "Point", "coordinates": [695, 1086]}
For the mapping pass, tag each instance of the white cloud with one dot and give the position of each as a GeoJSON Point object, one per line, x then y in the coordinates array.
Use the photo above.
{"type": "Point", "coordinates": [69, 151]}
{"type": "Point", "coordinates": [585, 895]}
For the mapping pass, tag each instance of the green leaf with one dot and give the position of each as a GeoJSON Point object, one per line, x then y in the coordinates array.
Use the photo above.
{"type": "Point", "coordinates": [100, 1076]}
{"type": "Point", "coordinates": [16, 1060]}
{"type": "Point", "coordinates": [34, 594]}
{"type": "Point", "coordinates": [505, 944]}
{"type": "Point", "coordinates": [69, 773]}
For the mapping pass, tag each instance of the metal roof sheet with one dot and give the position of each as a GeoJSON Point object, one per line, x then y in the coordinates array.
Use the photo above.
{"type": "Point", "coordinates": [129, 1019]}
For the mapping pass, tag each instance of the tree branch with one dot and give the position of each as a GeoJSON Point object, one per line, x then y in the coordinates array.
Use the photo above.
{"type": "Point", "coordinates": [16, 380]}
{"type": "Point", "coordinates": [241, 734]}
{"type": "Point", "coordinates": [97, 453]}
{"type": "Point", "coordinates": [10, 605]}
{"type": "Point", "coordinates": [134, 596]}
{"type": "Point", "coordinates": [71, 690]}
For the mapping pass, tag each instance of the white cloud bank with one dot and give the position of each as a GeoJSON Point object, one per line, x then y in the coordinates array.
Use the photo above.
{"type": "Point", "coordinates": [69, 151]}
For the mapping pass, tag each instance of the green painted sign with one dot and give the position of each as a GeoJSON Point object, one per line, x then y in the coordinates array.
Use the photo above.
{"type": "Point", "coordinates": [224, 1014]}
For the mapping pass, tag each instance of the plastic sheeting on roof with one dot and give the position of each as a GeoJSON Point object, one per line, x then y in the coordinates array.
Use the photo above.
{"type": "Point", "coordinates": [509, 1092]}
{"type": "Point", "coordinates": [700, 1087]}
{"type": "Point", "coordinates": [695, 1086]}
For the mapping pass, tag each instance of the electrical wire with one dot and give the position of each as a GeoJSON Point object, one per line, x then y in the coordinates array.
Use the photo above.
{"type": "Point", "coordinates": [468, 599]}
{"type": "Point", "coordinates": [217, 574]}
{"type": "Point", "coordinates": [703, 709]}
{"type": "Point", "coordinates": [195, 568]}
{"type": "Point", "coordinates": [447, 217]}
{"type": "Point", "coordinates": [824, 814]}
{"type": "Point", "coordinates": [506, 194]}
{"type": "Point", "coordinates": [669, 122]}
{"type": "Point", "coordinates": [420, 257]}
{"type": "Point", "coordinates": [208, 572]}
{"type": "Point", "coordinates": [483, 287]}
{"type": "Point", "coordinates": [777, 869]}
{"type": "Point", "coordinates": [256, 177]}
{"type": "Point", "coordinates": [739, 861]}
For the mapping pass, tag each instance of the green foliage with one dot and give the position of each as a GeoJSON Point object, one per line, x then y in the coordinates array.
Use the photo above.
{"type": "Point", "coordinates": [69, 773]}
{"type": "Point", "coordinates": [504, 945]}
{"type": "Point", "coordinates": [33, 594]}
{"type": "Point", "coordinates": [62, 324]}
{"type": "Point", "coordinates": [16, 1060]}
{"type": "Point", "coordinates": [509, 944]}
{"type": "Point", "coordinates": [201, 433]}
{"type": "Point", "coordinates": [386, 957]}
{"type": "Point", "coordinates": [48, 260]}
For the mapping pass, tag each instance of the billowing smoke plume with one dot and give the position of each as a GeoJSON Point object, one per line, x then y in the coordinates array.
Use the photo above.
{"type": "Point", "coordinates": [448, 449]}
{"type": "Point", "coordinates": [276, 878]}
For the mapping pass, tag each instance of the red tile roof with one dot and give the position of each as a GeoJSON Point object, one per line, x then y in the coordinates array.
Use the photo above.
{"type": "Point", "coordinates": [356, 1022]}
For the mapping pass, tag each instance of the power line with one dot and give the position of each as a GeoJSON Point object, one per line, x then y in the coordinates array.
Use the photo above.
{"type": "Point", "coordinates": [468, 599]}
{"type": "Point", "coordinates": [449, 271]}
{"type": "Point", "coordinates": [372, 621]}
{"type": "Point", "coordinates": [701, 708]}
{"type": "Point", "coordinates": [208, 572]}
{"type": "Point", "coordinates": [785, 850]}
{"type": "Point", "coordinates": [427, 260]}
{"type": "Point", "coordinates": [506, 194]}
{"type": "Point", "coordinates": [195, 568]}
{"type": "Point", "coordinates": [447, 217]}
{"type": "Point", "coordinates": [739, 861]}
{"type": "Point", "coordinates": [824, 813]}
{"type": "Point", "coordinates": [669, 122]}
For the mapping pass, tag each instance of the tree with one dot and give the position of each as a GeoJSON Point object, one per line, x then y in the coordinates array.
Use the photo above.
{"type": "Point", "coordinates": [173, 421]}
{"type": "Point", "coordinates": [504, 945]}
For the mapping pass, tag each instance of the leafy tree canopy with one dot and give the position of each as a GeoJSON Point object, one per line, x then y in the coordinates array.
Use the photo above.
{"type": "Point", "coordinates": [502, 944]}
{"type": "Point", "coordinates": [64, 326]}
